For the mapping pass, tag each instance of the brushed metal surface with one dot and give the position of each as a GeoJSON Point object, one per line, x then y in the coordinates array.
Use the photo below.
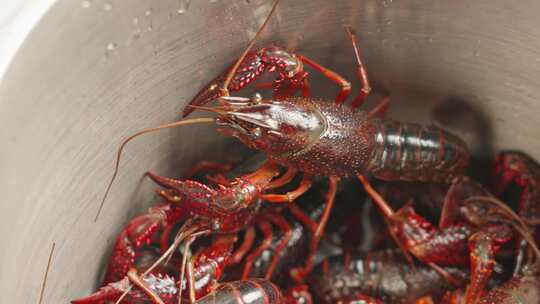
{"type": "Point", "coordinates": [92, 72]}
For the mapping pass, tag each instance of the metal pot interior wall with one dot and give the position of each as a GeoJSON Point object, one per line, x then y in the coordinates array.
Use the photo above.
{"type": "Point", "coordinates": [92, 72]}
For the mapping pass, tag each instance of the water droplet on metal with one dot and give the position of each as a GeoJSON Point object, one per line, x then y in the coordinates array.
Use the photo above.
{"type": "Point", "coordinates": [135, 21]}
{"type": "Point", "coordinates": [111, 46]}
{"type": "Point", "coordinates": [107, 6]}
{"type": "Point", "coordinates": [148, 12]}
{"type": "Point", "coordinates": [183, 6]}
{"type": "Point", "coordinates": [86, 4]}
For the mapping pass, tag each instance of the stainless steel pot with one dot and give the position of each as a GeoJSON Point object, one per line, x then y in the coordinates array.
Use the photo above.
{"type": "Point", "coordinates": [93, 71]}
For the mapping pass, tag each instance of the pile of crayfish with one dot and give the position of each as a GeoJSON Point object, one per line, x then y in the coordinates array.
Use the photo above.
{"type": "Point", "coordinates": [239, 248]}
{"type": "Point", "coordinates": [410, 227]}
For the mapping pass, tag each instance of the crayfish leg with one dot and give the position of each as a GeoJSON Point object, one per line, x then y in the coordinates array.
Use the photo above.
{"type": "Point", "coordinates": [376, 197]}
{"type": "Point", "coordinates": [266, 229]}
{"type": "Point", "coordinates": [482, 260]}
{"type": "Point", "coordinates": [278, 220]}
{"type": "Point", "coordinates": [298, 274]}
{"type": "Point", "coordinates": [282, 180]}
{"type": "Point", "coordinates": [381, 108]}
{"type": "Point", "coordinates": [360, 71]}
{"type": "Point", "coordinates": [345, 85]}
{"type": "Point", "coordinates": [249, 238]}
{"type": "Point", "coordinates": [289, 197]}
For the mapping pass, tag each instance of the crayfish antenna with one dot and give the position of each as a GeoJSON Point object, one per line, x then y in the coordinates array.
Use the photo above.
{"type": "Point", "coordinates": [186, 255]}
{"type": "Point", "coordinates": [217, 110]}
{"type": "Point", "coordinates": [123, 144]}
{"type": "Point", "coordinates": [43, 284]}
{"type": "Point", "coordinates": [235, 98]}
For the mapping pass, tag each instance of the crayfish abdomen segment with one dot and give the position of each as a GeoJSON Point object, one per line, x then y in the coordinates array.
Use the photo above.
{"type": "Point", "coordinates": [408, 151]}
